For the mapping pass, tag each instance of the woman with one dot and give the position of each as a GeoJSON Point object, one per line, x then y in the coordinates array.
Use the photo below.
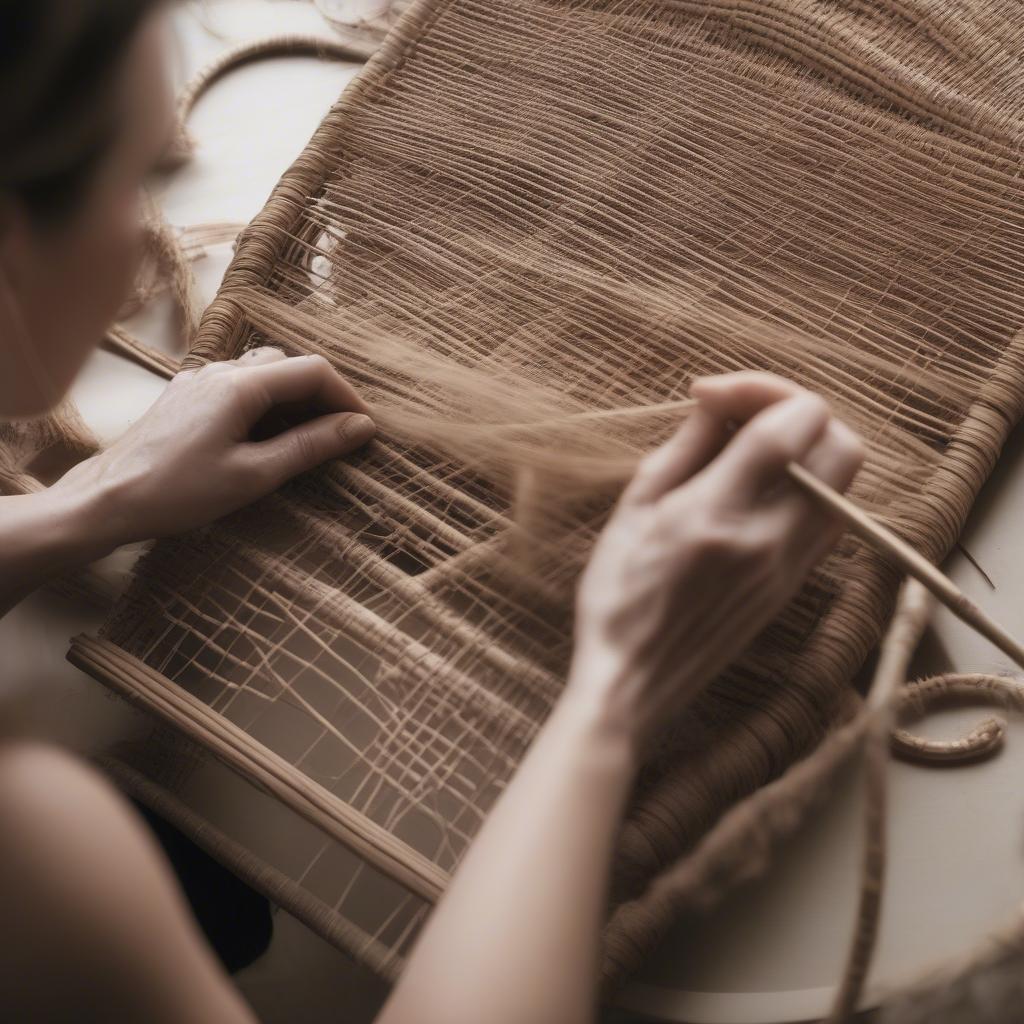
{"type": "Point", "coordinates": [706, 545]}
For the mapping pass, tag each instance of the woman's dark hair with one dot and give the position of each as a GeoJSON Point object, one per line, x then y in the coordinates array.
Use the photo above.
{"type": "Point", "coordinates": [58, 64]}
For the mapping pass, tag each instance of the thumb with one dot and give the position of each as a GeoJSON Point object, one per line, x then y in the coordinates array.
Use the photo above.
{"type": "Point", "coordinates": [309, 444]}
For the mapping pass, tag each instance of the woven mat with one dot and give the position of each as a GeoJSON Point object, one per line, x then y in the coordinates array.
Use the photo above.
{"type": "Point", "coordinates": [597, 200]}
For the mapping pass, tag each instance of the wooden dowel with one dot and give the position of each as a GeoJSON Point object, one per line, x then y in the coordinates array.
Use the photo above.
{"type": "Point", "coordinates": [899, 551]}
{"type": "Point", "coordinates": [121, 343]}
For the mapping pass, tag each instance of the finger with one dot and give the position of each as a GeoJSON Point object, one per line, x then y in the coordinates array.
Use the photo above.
{"type": "Point", "coordinates": [723, 399]}
{"type": "Point", "coordinates": [806, 528]}
{"type": "Point", "coordinates": [258, 356]}
{"type": "Point", "coordinates": [837, 457]}
{"type": "Point", "coordinates": [214, 368]}
{"type": "Point", "coordinates": [740, 396]}
{"type": "Point", "coordinates": [835, 460]}
{"type": "Point", "coordinates": [701, 437]}
{"type": "Point", "coordinates": [308, 445]}
{"type": "Point", "coordinates": [306, 379]}
{"type": "Point", "coordinates": [757, 456]}
{"type": "Point", "coordinates": [254, 357]}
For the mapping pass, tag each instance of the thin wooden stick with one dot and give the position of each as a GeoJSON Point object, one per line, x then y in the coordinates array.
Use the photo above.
{"type": "Point", "coordinates": [121, 343]}
{"type": "Point", "coordinates": [910, 561]}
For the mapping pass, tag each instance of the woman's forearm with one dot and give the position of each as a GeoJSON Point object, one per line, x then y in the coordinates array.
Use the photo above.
{"type": "Point", "coordinates": [45, 534]}
{"type": "Point", "coordinates": [516, 938]}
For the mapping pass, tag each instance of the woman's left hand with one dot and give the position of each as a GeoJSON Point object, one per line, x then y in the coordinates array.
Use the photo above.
{"type": "Point", "coordinates": [192, 459]}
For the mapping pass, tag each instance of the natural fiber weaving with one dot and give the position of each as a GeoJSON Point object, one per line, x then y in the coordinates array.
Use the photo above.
{"type": "Point", "coordinates": [521, 231]}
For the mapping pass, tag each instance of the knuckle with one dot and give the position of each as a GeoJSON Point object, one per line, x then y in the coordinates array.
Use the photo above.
{"type": "Point", "coordinates": [320, 363]}
{"type": "Point", "coordinates": [759, 553]}
{"type": "Point", "coordinates": [768, 442]}
{"type": "Point", "coordinates": [241, 476]}
{"type": "Point", "coordinates": [710, 534]}
{"type": "Point", "coordinates": [211, 369]}
{"type": "Point", "coordinates": [733, 540]}
{"type": "Point", "coordinates": [722, 545]}
{"type": "Point", "coordinates": [765, 547]}
{"type": "Point", "coordinates": [816, 404]}
{"type": "Point", "coordinates": [649, 465]}
{"type": "Point", "coordinates": [262, 476]}
{"type": "Point", "coordinates": [637, 485]}
{"type": "Point", "coordinates": [226, 391]}
{"type": "Point", "coordinates": [220, 387]}
{"type": "Point", "coordinates": [648, 461]}
{"type": "Point", "coordinates": [303, 448]}
{"type": "Point", "coordinates": [852, 446]}
{"type": "Point", "coordinates": [840, 455]}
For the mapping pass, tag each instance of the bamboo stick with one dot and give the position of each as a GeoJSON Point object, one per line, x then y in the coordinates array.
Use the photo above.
{"type": "Point", "coordinates": [121, 343]}
{"type": "Point", "coordinates": [910, 561]}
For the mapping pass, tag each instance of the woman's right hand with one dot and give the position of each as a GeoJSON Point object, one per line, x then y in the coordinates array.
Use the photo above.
{"type": "Point", "coordinates": [707, 544]}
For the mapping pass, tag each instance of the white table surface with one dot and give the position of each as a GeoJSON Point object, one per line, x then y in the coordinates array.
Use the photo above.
{"type": "Point", "coordinates": [774, 949]}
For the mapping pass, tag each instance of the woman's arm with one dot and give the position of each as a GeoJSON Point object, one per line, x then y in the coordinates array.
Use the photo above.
{"type": "Point", "coordinates": [516, 937]}
{"type": "Point", "coordinates": [188, 461]}
{"type": "Point", "coordinates": [41, 536]}
{"type": "Point", "coordinates": [706, 546]}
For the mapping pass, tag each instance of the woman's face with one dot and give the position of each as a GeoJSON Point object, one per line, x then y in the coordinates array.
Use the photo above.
{"type": "Point", "coordinates": [62, 283]}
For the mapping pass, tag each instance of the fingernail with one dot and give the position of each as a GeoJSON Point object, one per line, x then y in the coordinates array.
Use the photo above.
{"type": "Point", "coordinates": [356, 429]}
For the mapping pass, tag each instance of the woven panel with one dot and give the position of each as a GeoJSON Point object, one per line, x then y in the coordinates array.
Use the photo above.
{"type": "Point", "coordinates": [581, 206]}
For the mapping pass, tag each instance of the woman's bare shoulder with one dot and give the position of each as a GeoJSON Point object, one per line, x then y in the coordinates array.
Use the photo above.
{"type": "Point", "coordinates": [37, 778]}
{"type": "Point", "coordinates": [100, 920]}
{"type": "Point", "coordinates": [49, 798]}
{"type": "Point", "coordinates": [60, 821]}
